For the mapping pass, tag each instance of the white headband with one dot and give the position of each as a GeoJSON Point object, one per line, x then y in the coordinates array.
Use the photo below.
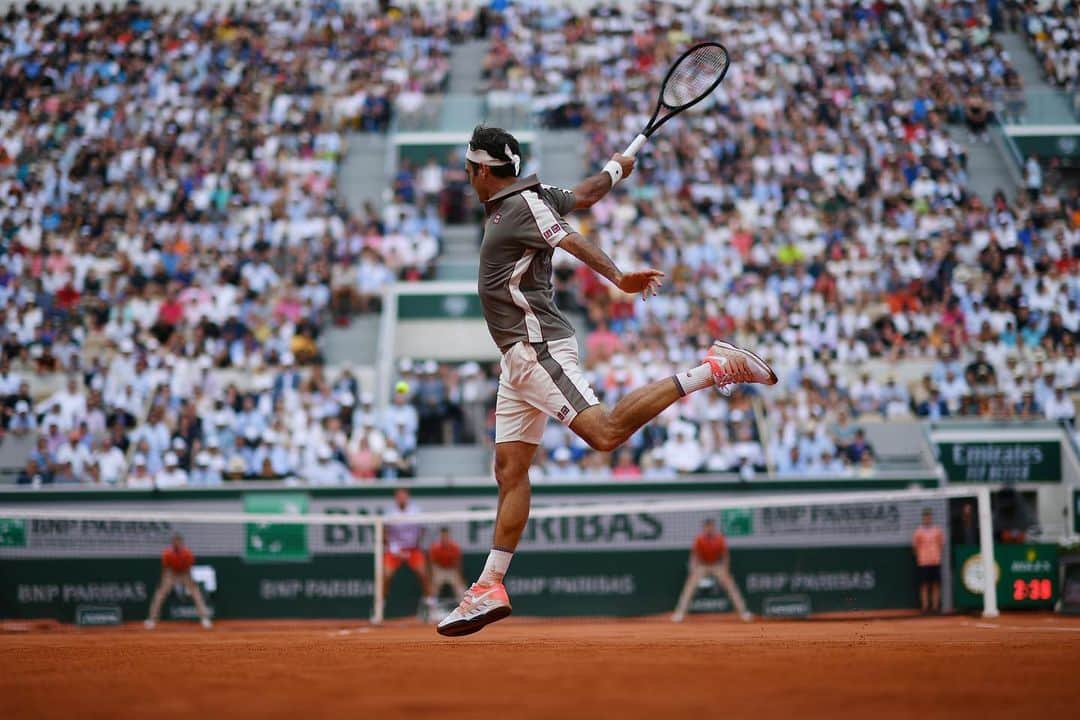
{"type": "Point", "coordinates": [483, 157]}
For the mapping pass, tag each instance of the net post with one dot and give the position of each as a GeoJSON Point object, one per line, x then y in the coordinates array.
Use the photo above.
{"type": "Point", "coordinates": [986, 552]}
{"type": "Point", "coordinates": [377, 550]}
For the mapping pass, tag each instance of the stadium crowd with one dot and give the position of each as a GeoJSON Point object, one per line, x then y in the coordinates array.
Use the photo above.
{"type": "Point", "coordinates": [169, 213]}
{"type": "Point", "coordinates": [1052, 28]}
{"type": "Point", "coordinates": [818, 212]}
{"type": "Point", "coordinates": [173, 240]}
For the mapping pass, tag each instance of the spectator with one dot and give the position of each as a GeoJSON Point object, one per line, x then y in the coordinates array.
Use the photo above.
{"type": "Point", "coordinates": [171, 475]}
{"type": "Point", "coordinates": [33, 474]}
{"type": "Point", "coordinates": [204, 473]}
{"type": "Point", "coordinates": [682, 452]}
{"type": "Point", "coordinates": [859, 448]}
{"type": "Point", "coordinates": [140, 476]}
{"type": "Point", "coordinates": [625, 467]}
{"type": "Point", "coordinates": [562, 468]}
{"type": "Point", "coordinates": [1060, 406]}
{"type": "Point", "coordinates": [326, 470]}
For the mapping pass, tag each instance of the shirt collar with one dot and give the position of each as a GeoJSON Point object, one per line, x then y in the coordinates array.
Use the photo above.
{"type": "Point", "coordinates": [522, 184]}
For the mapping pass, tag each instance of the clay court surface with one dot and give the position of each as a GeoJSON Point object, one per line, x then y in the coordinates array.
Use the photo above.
{"type": "Point", "coordinates": [1013, 666]}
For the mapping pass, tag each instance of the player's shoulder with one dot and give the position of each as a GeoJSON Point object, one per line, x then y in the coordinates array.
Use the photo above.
{"type": "Point", "coordinates": [555, 189]}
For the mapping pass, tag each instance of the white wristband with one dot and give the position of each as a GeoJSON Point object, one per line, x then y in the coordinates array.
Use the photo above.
{"type": "Point", "coordinates": [614, 171]}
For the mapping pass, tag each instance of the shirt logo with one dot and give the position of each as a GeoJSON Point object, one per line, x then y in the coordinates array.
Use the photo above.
{"type": "Point", "coordinates": [496, 218]}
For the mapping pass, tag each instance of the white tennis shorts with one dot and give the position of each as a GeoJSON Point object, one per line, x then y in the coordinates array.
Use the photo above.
{"type": "Point", "coordinates": [539, 380]}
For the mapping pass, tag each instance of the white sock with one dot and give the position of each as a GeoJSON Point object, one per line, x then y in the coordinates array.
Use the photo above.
{"type": "Point", "coordinates": [498, 561]}
{"type": "Point", "coordinates": [695, 379]}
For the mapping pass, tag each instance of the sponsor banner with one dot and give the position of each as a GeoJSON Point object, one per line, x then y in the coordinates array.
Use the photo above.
{"type": "Point", "coordinates": [12, 533]}
{"type": "Point", "coordinates": [273, 542]}
{"type": "Point", "coordinates": [996, 462]}
{"type": "Point", "coordinates": [614, 582]}
{"type": "Point", "coordinates": [93, 615]}
{"type": "Point", "coordinates": [1026, 576]}
{"type": "Point", "coordinates": [859, 524]}
{"type": "Point", "coordinates": [786, 606]}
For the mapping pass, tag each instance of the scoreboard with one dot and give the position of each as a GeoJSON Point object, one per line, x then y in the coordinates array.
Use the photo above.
{"type": "Point", "coordinates": [1026, 576]}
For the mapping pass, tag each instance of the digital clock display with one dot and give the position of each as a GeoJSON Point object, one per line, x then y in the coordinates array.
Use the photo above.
{"type": "Point", "coordinates": [1024, 576]}
{"type": "Point", "coordinates": [1038, 589]}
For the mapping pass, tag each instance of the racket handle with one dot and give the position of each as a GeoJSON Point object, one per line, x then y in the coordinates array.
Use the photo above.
{"type": "Point", "coordinates": [633, 148]}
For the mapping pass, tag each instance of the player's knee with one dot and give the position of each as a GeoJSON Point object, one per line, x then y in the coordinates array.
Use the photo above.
{"type": "Point", "coordinates": [508, 474]}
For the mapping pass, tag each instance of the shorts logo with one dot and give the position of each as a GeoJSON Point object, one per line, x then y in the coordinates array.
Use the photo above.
{"type": "Point", "coordinates": [563, 413]}
{"type": "Point", "coordinates": [496, 218]}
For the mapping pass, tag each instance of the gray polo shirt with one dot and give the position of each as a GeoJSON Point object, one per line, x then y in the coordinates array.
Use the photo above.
{"type": "Point", "coordinates": [524, 226]}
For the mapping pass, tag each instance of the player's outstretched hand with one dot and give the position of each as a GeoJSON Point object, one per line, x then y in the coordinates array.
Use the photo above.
{"type": "Point", "coordinates": [626, 162]}
{"type": "Point", "coordinates": [646, 282]}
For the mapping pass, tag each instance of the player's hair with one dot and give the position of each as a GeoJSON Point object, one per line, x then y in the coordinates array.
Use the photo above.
{"type": "Point", "coordinates": [495, 140]}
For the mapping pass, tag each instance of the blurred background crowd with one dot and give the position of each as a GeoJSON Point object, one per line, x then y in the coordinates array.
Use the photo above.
{"type": "Point", "coordinates": [174, 241]}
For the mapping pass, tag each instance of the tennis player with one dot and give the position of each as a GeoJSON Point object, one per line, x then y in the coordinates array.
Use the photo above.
{"type": "Point", "coordinates": [540, 376]}
{"type": "Point", "coordinates": [176, 564]}
{"type": "Point", "coordinates": [709, 558]}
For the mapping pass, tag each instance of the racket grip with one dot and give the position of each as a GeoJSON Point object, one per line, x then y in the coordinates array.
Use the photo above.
{"type": "Point", "coordinates": [633, 148]}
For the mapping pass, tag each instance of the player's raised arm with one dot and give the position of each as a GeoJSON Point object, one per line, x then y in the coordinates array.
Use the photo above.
{"type": "Point", "coordinates": [589, 191]}
{"type": "Point", "coordinates": [646, 282]}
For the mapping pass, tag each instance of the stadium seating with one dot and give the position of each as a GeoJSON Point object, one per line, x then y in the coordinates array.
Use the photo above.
{"type": "Point", "coordinates": [1053, 29]}
{"type": "Point", "coordinates": [175, 241]}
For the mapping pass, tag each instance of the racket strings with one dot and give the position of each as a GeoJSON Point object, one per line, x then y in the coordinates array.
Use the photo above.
{"type": "Point", "coordinates": [694, 76]}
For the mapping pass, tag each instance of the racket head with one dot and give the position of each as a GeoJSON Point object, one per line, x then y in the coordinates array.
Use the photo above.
{"type": "Point", "coordinates": [694, 76]}
{"type": "Point", "coordinates": [689, 80]}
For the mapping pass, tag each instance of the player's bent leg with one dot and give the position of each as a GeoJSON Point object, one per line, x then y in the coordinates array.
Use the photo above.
{"type": "Point", "coordinates": [724, 365]}
{"type": "Point", "coordinates": [606, 429]}
{"type": "Point", "coordinates": [486, 601]}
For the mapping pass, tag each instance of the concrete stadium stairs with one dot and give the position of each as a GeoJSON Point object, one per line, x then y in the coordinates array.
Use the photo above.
{"type": "Point", "coordinates": [455, 461]}
{"type": "Point", "coordinates": [355, 344]}
{"type": "Point", "coordinates": [364, 174]}
{"type": "Point", "coordinates": [1053, 107]}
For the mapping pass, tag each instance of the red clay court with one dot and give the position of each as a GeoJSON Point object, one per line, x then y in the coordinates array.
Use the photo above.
{"type": "Point", "coordinates": [1014, 666]}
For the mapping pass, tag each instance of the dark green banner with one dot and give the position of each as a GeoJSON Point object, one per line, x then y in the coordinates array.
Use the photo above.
{"type": "Point", "coordinates": [12, 533]}
{"type": "Point", "coordinates": [989, 462]}
{"type": "Point", "coordinates": [1065, 146]}
{"type": "Point", "coordinates": [1027, 576]}
{"type": "Point", "coordinates": [272, 541]}
{"type": "Point", "coordinates": [439, 306]}
{"type": "Point", "coordinates": [614, 583]}
{"type": "Point", "coordinates": [1076, 511]}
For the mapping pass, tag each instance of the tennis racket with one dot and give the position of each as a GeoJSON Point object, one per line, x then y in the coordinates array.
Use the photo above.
{"type": "Point", "coordinates": [689, 81]}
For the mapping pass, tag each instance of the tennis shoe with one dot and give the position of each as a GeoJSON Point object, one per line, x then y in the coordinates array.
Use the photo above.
{"type": "Point", "coordinates": [732, 365]}
{"type": "Point", "coordinates": [483, 604]}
